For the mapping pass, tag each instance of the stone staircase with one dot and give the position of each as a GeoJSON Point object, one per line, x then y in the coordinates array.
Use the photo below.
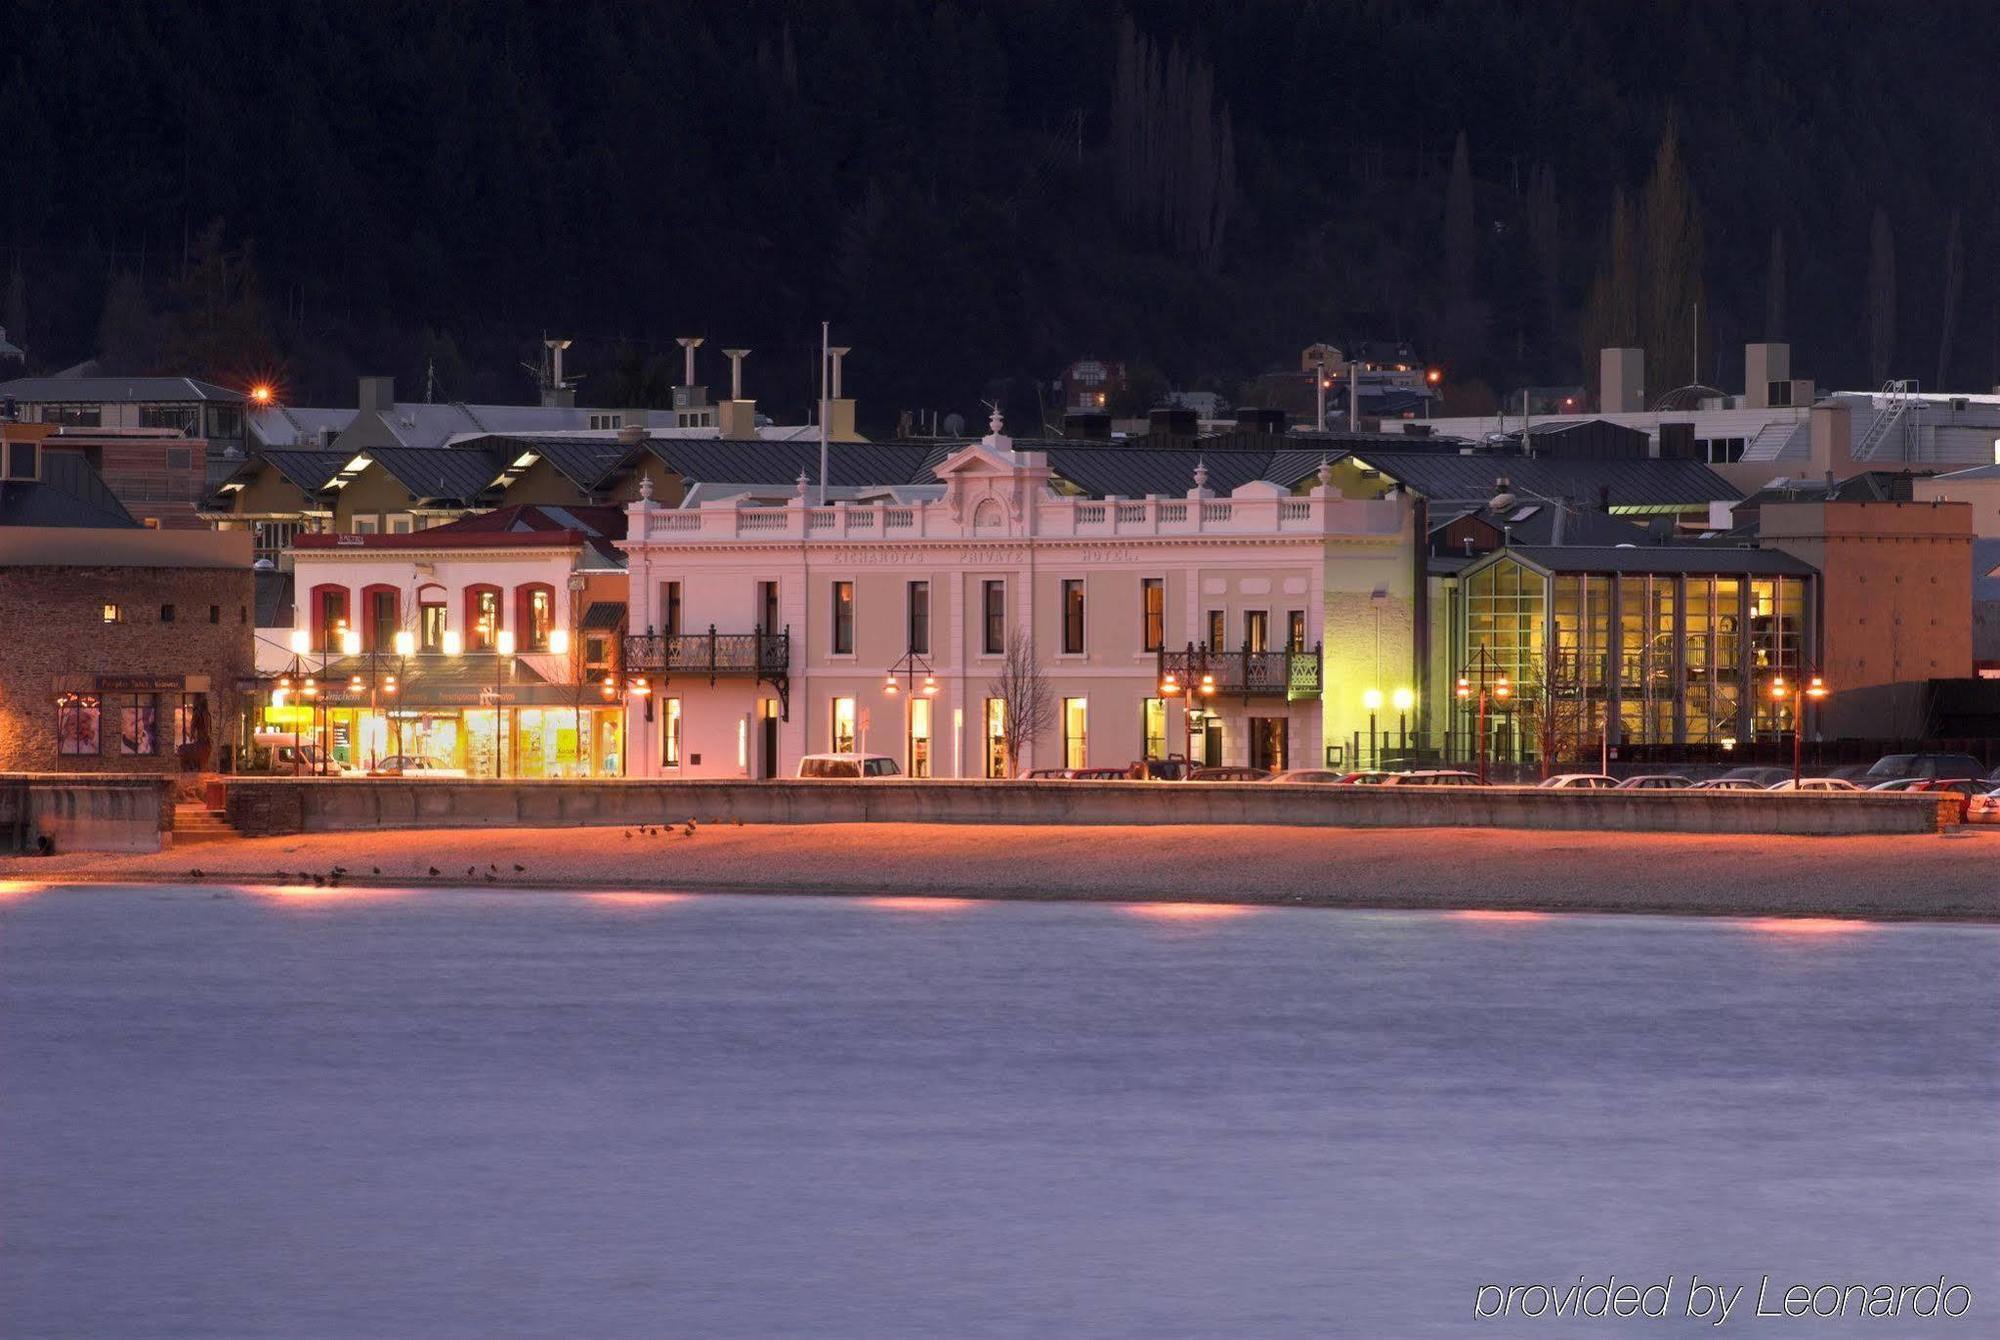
{"type": "Point", "coordinates": [196, 823]}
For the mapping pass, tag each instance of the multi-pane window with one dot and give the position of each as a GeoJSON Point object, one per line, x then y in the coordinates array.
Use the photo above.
{"type": "Point", "coordinates": [993, 606]}
{"type": "Point", "coordinates": [1218, 632]}
{"type": "Point", "coordinates": [1153, 727]}
{"type": "Point", "coordinates": [843, 618]}
{"type": "Point", "coordinates": [138, 723]}
{"type": "Point", "coordinates": [1072, 614]}
{"type": "Point", "coordinates": [670, 608]}
{"type": "Point", "coordinates": [332, 617]}
{"type": "Point", "coordinates": [920, 737]}
{"type": "Point", "coordinates": [382, 620]}
{"type": "Point", "coordinates": [1075, 718]}
{"type": "Point", "coordinates": [431, 621]}
{"type": "Point", "coordinates": [1257, 629]}
{"type": "Point", "coordinates": [1295, 630]}
{"type": "Point", "coordinates": [670, 733]}
{"type": "Point", "coordinates": [541, 618]}
{"type": "Point", "coordinates": [77, 724]}
{"type": "Point", "coordinates": [483, 604]}
{"type": "Point", "coordinates": [996, 737]}
{"type": "Point", "coordinates": [1153, 606]}
{"type": "Point", "coordinates": [767, 606]}
{"type": "Point", "coordinates": [919, 618]}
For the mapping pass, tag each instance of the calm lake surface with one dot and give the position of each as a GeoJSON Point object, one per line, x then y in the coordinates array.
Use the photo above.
{"type": "Point", "coordinates": [489, 1114]}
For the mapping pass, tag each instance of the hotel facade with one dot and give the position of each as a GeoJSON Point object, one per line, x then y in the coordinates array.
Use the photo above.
{"type": "Point", "coordinates": [759, 633]}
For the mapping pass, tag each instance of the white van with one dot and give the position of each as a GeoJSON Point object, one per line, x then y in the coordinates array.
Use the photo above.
{"type": "Point", "coordinates": [851, 767]}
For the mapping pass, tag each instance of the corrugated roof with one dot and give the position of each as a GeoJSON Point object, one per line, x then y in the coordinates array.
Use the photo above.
{"type": "Point", "coordinates": [308, 470]}
{"type": "Point", "coordinates": [459, 475]}
{"type": "Point", "coordinates": [603, 616]}
{"type": "Point", "coordinates": [1667, 558]}
{"type": "Point", "coordinates": [1444, 477]}
{"type": "Point", "coordinates": [69, 493]}
{"type": "Point", "coordinates": [739, 461]}
{"type": "Point", "coordinates": [64, 390]}
{"type": "Point", "coordinates": [583, 461]}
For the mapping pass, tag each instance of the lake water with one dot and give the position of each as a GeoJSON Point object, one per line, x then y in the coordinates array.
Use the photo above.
{"type": "Point", "coordinates": [286, 1113]}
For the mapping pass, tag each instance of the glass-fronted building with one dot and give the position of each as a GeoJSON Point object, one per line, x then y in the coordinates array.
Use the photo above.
{"type": "Point", "coordinates": [1648, 644]}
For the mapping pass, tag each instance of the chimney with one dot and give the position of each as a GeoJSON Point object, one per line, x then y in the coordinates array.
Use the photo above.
{"type": "Point", "coordinates": [1260, 421]}
{"type": "Point", "coordinates": [1621, 381]}
{"type": "Point", "coordinates": [632, 429]}
{"type": "Point", "coordinates": [688, 344]}
{"type": "Point", "coordinates": [1832, 451]}
{"type": "Point", "coordinates": [839, 410]}
{"type": "Point", "coordinates": [1169, 421]}
{"type": "Point", "coordinates": [376, 395]}
{"type": "Point", "coordinates": [558, 391]}
{"type": "Point", "coordinates": [1767, 375]}
{"type": "Point", "coordinates": [736, 418]}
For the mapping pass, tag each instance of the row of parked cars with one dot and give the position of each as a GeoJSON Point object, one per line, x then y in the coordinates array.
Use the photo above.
{"type": "Point", "coordinates": [1960, 774]}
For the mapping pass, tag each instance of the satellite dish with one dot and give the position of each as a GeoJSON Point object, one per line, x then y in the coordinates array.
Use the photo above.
{"type": "Point", "coordinates": [954, 425]}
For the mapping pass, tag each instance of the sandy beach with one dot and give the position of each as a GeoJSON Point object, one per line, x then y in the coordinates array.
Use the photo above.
{"type": "Point", "coordinates": [1953, 876]}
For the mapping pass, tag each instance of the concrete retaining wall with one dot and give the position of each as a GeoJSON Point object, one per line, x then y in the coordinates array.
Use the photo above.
{"type": "Point", "coordinates": [85, 813]}
{"type": "Point", "coordinates": [289, 805]}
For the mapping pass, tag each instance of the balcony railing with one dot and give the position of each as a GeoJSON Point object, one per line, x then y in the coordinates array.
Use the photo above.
{"type": "Point", "coordinates": [757, 653]}
{"type": "Point", "coordinates": [1244, 673]}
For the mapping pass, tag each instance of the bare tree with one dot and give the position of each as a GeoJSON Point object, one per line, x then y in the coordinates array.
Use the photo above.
{"type": "Point", "coordinates": [1557, 708]}
{"type": "Point", "coordinates": [1025, 696]}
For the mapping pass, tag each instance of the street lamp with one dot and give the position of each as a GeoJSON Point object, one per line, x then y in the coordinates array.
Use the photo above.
{"type": "Point", "coordinates": [1372, 700]}
{"type": "Point", "coordinates": [503, 653]}
{"type": "Point", "coordinates": [1404, 700]}
{"type": "Point", "coordinates": [1173, 686]}
{"type": "Point", "coordinates": [1796, 694]}
{"type": "Point", "coordinates": [1498, 690]}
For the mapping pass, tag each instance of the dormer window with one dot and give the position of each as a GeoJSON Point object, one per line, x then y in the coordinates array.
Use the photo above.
{"type": "Point", "coordinates": [601, 422]}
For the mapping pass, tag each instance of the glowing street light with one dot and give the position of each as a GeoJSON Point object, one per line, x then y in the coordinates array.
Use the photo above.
{"type": "Point", "coordinates": [1796, 693]}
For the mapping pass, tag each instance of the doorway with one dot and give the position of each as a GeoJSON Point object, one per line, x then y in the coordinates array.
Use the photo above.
{"type": "Point", "coordinates": [1269, 737]}
{"type": "Point", "coordinates": [767, 737]}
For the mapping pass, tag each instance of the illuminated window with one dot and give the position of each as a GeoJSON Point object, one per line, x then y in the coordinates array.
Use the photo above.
{"type": "Point", "coordinates": [1153, 601]}
{"type": "Point", "coordinates": [996, 737]}
{"type": "Point", "coordinates": [77, 724]}
{"type": "Point", "coordinates": [111, 614]}
{"type": "Point", "coordinates": [482, 609]}
{"type": "Point", "coordinates": [1075, 717]}
{"type": "Point", "coordinates": [843, 725]}
{"type": "Point", "coordinates": [541, 611]}
{"type": "Point", "coordinates": [670, 733]}
{"type": "Point", "coordinates": [920, 737]}
{"type": "Point", "coordinates": [1153, 724]}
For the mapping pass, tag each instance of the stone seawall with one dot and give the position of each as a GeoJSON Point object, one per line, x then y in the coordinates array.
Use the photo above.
{"type": "Point", "coordinates": [94, 812]}
{"type": "Point", "coordinates": [314, 805]}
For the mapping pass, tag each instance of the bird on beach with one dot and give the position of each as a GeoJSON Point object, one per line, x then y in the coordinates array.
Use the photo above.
{"type": "Point", "coordinates": [491, 866]}
{"type": "Point", "coordinates": [375, 869]}
{"type": "Point", "coordinates": [519, 868]}
{"type": "Point", "coordinates": [470, 871]}
{"type": "Point", "coordinates": [434, 872]}
{"type": "Point", "coordinates": [194, 874]}
{"type": "Point", "coordinates": [319, 881]}
{"type": "Point", "coordinates": [628, 835]}
{"type": "Point", "coordinates": [490, 876]}
{"type": "Point", "coordinates": [688, 831]}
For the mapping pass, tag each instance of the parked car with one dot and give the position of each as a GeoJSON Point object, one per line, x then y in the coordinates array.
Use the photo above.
{"type": "Point", "coordinates": [1852, 772]}
{"type": "Point", "coordinates": [1099, 775]}
{"type": "Point", "coordinates": [1727, 784]}
{"type": "Point", "coordinates": [1229, 775]}
{"type": "Point", "coordinates": [1173, 768]}
{"type": "Point", "coordinates": [1889, 767]}
{"type": "Point", "coordinates": [850, 767]}
{"type": "Point", "coordinates": [1899, 784]}
{"type": "Point", "coordinates": [1965, 788]}
{"type": "Point", "coordinates": [1760, 777]}
{"type": "Point", "coordinates": [1656, 781]}
{"type": "Point", "coordinates": [1048, 775]}
{"type": "Point", "coordinates": [1815, 784]}
{"type": "Point", "coordinates": [1319, 776]}
{"type": "Point", "coordinates": [1578, 781]}
{"type": "Point", "coordinates": [413, 765]}
{"type": "Point", "coordinates": [1366, 777]}
{"type": "Point", "coordinates": [1984, 808]}
{"type": "Point", "coordinates": [1431, 777]}
{"type": "Point", "coordinates": [290, 754]}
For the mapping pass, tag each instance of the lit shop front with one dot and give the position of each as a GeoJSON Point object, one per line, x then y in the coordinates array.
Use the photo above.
{"type": "Point", "coordinates": [451, 719]}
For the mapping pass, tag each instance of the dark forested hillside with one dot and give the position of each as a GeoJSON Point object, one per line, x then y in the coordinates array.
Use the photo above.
{"type": "Point", "coordinates": [976, 193]}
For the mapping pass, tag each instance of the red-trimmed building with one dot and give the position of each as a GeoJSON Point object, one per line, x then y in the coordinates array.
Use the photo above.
{"type": "Point", "coordinates": [480, 647]}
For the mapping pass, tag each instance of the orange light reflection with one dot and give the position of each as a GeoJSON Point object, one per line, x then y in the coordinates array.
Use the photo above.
{"type": "Point", "coordinates": [19, 888]}
{"type": "Point", "coordinates": [1805, 925]}
{"type": "Point", "coordinates": [1497, 914]}
{"type": "Point", "coordinates": [312, 893]}
{"type": "Point", "coordinates": [891, 903]}
{"type": "Point", "coordinates": [636, 898]}
{"type": "Point", "coordinates": [1189, 911]}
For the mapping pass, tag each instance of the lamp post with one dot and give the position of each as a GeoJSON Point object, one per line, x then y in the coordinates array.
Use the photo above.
{"type": "Point", "coordinates": [503, 655]}
{"type": "Point", "coordinates": [1173, 686]}
{"type": "Point", "coordinates": [1796, 693]}
{"type": "Point", "coordinates": [1498, 690]}
{"type": "Point", "coordinates": [1404, 700]}
{"type": "Point", "coordinates": [1372, 700]}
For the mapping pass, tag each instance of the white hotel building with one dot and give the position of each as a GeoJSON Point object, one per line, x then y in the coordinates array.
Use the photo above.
{"type": "Point", "coordinates": [765, 631]}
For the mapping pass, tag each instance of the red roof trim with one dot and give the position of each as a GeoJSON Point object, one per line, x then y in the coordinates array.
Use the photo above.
{"type": "Point", "coordinates": [437, 538]}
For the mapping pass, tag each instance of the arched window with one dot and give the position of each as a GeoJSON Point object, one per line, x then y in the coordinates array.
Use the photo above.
{"type": "Point", "coordinates": [381, 616]}
{"type": "Point", "coordinates": [484, 617]}
{"type": "Point", "coordinates": [328, 612]}
{"type": "Point", "coordinates": [534, 615]}
{"type": "Point", "coordinates": [433, 617]}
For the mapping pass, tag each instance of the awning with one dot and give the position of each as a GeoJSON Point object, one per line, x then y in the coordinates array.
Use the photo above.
{"type": "Point", "coordinates": [603, 616]}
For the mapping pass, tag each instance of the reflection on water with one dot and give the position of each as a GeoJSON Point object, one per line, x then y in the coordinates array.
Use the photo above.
{"type": "Point", "coordinates": [494, 1112]}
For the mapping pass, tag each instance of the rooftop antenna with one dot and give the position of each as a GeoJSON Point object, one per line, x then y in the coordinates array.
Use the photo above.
{"type": "Point", "coordinates": [430, 378]}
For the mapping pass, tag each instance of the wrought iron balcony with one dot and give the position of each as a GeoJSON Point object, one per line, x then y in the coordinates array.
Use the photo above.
{"type": "Point", "coordinates": [1247, 674]}
{"type": "Point", "coordinates": [757, 654]}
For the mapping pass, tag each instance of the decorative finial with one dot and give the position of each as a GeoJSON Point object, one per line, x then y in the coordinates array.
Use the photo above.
{"type": "Point", "coordinates": [993, 420]}
{"type": "Point", "coordinates": [645, 488]}
{"type": "Point", "coordinates": [1325, 473]}
{"type": "Point", "coordinates": [802, 483]}
{"type": "Point", "coordinates": [1200, 473]}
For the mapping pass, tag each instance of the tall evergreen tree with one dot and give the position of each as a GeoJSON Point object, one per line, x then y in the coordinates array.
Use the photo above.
{"type": "Point", "coordinates": [1881, 298]}
{"type": "Point", "coordinates": [1671, 293]}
